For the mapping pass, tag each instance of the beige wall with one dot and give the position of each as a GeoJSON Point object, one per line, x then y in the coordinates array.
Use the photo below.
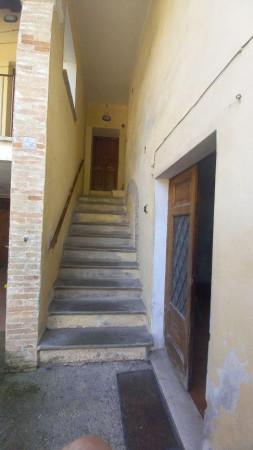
{"type": "Point", "coordinates": [94, 120]}
{"type": "Point", "coordinates": [184, 88]}
{"type": "Point", "coordinates": [65, 150]}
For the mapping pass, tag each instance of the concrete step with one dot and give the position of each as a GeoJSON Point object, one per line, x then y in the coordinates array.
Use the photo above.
{"type": "Point", "coordinates": [97, 293]}
{"type": "Point", "coordinates": [96, 313]}
{"type": "Point", "coordinates": [103, 219]}
{"type": "Point", "coordinates": [98, 283]}
{"type": "Point", "coordinates": [102, 200]}
{"type": "Point", "coordinates": [98, 273]}
{"type": "Point", "coordinates": [80, 345]}
{"type": "Point", "coordinates": [122, 231]}
{"type": "Point", "coordinates": [100, 208]}
{"type": "Point", "coordinates": [103, 256]}
{"type": "Point", "coordinates": [98, 242]}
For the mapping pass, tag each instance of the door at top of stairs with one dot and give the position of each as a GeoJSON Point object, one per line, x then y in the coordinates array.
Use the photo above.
{"type": "Point", "coordinates": [105, 160]}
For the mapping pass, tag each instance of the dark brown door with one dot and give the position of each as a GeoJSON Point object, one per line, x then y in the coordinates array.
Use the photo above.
{"type": "Point", "coordinates": [4, 231]}
{"type": "Point", "coordinates": [179, 278]}
{"type": "Point", "coordinates": [105, 158]}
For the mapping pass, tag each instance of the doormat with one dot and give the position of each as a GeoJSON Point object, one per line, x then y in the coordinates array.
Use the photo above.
{"type": "Point", "coordinates": [146, 422]}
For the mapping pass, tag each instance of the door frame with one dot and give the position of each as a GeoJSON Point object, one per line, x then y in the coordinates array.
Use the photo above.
{"type": "Point", "coordinates": [161, 206]}
{"type": "Point", "coordinates": [90, 132]}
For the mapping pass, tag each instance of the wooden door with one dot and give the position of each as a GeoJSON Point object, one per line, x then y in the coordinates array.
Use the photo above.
{"type": "Point", "coordinates": [179, 277]}
{"type": "Point", "coordinates": [105, 160]}
{"type": "Point", "coordinates": [4, 231]}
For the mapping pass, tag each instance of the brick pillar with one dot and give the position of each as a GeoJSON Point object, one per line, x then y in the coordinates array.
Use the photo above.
{"type": "Point", "coordinates": [27, 184]}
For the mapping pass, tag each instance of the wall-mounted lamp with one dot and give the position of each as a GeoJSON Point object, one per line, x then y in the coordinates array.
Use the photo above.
{"type": "Point", "coordinates": [106, 118]}
{"type": "Point", "coordinates": [145, 209]}
{"type": "Point", "coordinates": [10, 18]}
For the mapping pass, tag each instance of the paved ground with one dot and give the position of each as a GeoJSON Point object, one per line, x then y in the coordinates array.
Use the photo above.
{"type": "Point", "coordinates": [46, 409]}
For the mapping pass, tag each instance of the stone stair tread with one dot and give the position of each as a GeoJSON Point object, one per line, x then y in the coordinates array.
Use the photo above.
{"type": "Point", "coordinates": [96, 307]}
{"type": "Point", "coordinates": [92, 264]}
{"type": "Point", "coordinates": [94, 234]}
{"type": "Point", "coordinates": [97, 211]}
{"type": "Point", "coordinates": [102, 337]}
{"type": "Point", "coordinates": [84, 298]}
{"type": "Point", "coordinates": [99, 283]}
{"type": "Point", "coordinates": [102, 201]}
{"type": "Point", "coordinates": [79, 221]}
{"type": "Point", "coordinates": [102, 235]}
{"type": "Point", "coordinates": [82, 290]}
{"type": "Point", "coordinates": [100, 293]}
{"type": "Point", "coordinates": [86, 210]}
{"type": "Point", "coordinates": [69, 246]}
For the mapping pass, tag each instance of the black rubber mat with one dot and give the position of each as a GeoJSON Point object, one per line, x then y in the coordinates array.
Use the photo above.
{"type": "Point", "coordinates": [146, 422]}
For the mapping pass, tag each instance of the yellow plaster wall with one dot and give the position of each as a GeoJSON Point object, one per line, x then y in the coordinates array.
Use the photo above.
{"type": "Point", "coordinates": [8, 45]}
{"type": "Point", "coordinates": [65, 150]}
{"type": "Point", "coordinates": [94, 120]}
{"type": "Point", "coordinates": [190, 68]}
{"type": "Point", "coordinates": [8, 48]}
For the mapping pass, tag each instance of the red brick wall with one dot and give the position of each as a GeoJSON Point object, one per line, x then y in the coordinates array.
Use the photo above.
{"type": "Point", "coordinates": [27, 186]}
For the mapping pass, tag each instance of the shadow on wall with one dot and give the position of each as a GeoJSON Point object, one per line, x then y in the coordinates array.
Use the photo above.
{"type": "Point", "coordinates": [133, 210]}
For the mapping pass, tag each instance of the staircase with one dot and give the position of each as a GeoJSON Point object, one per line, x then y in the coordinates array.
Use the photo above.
{"type": "Point", "coordinates": [97, 313]}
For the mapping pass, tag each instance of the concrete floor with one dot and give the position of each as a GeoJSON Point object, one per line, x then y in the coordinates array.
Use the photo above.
{"type": "Point", "coordinates": [46, 409]}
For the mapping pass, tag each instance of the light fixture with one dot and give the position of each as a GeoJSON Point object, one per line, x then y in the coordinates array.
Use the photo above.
{"type": "Point", "coordinates": [106, 118]}
{"type": "Point", "coordinates": [10, 18]}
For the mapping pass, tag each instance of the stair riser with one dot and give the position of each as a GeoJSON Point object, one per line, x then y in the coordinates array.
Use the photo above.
{"type": "Point", "coordinates": [106, 209]}
{"type": "Point", "coordinates": [98, 294]}
{"type": "Point", "coordinates": [94, 255]}
{"type": "Point", "coordinates": [103, 242]}
{"type": "Point", "coordinates": [95, 320]}
{"type": "Point", "coordinates": [81, 356]}
{"type": "Point", "coordinates": [97, 273]}
{"type": "Point", "coordinates": [100, 218]}
{"type": "Point", "coordinates": [105, 230]}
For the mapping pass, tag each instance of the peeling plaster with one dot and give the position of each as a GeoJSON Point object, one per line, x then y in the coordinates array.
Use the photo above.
{"type": "Point", "coordinates": [226, 395]}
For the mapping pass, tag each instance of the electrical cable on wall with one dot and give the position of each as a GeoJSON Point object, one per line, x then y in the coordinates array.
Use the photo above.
{"type": "Point", "coordinates": [201, 96]}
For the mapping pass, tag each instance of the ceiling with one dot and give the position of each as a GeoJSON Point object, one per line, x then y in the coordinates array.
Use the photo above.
{"type": "Point", "coordinates": [109, 33]}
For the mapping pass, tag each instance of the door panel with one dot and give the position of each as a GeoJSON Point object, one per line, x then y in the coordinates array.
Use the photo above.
{"type": "Point", "coordinates": [180, 249]}
{"type": "Point", "coordinates": [105, 163]}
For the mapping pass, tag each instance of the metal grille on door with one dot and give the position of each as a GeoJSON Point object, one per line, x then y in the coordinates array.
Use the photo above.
{"type": "Point", "coordinates": [181, 226]}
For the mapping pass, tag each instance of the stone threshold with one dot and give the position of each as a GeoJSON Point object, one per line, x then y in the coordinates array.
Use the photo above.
{"type": "Point", "coordinates": [186, 418]}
